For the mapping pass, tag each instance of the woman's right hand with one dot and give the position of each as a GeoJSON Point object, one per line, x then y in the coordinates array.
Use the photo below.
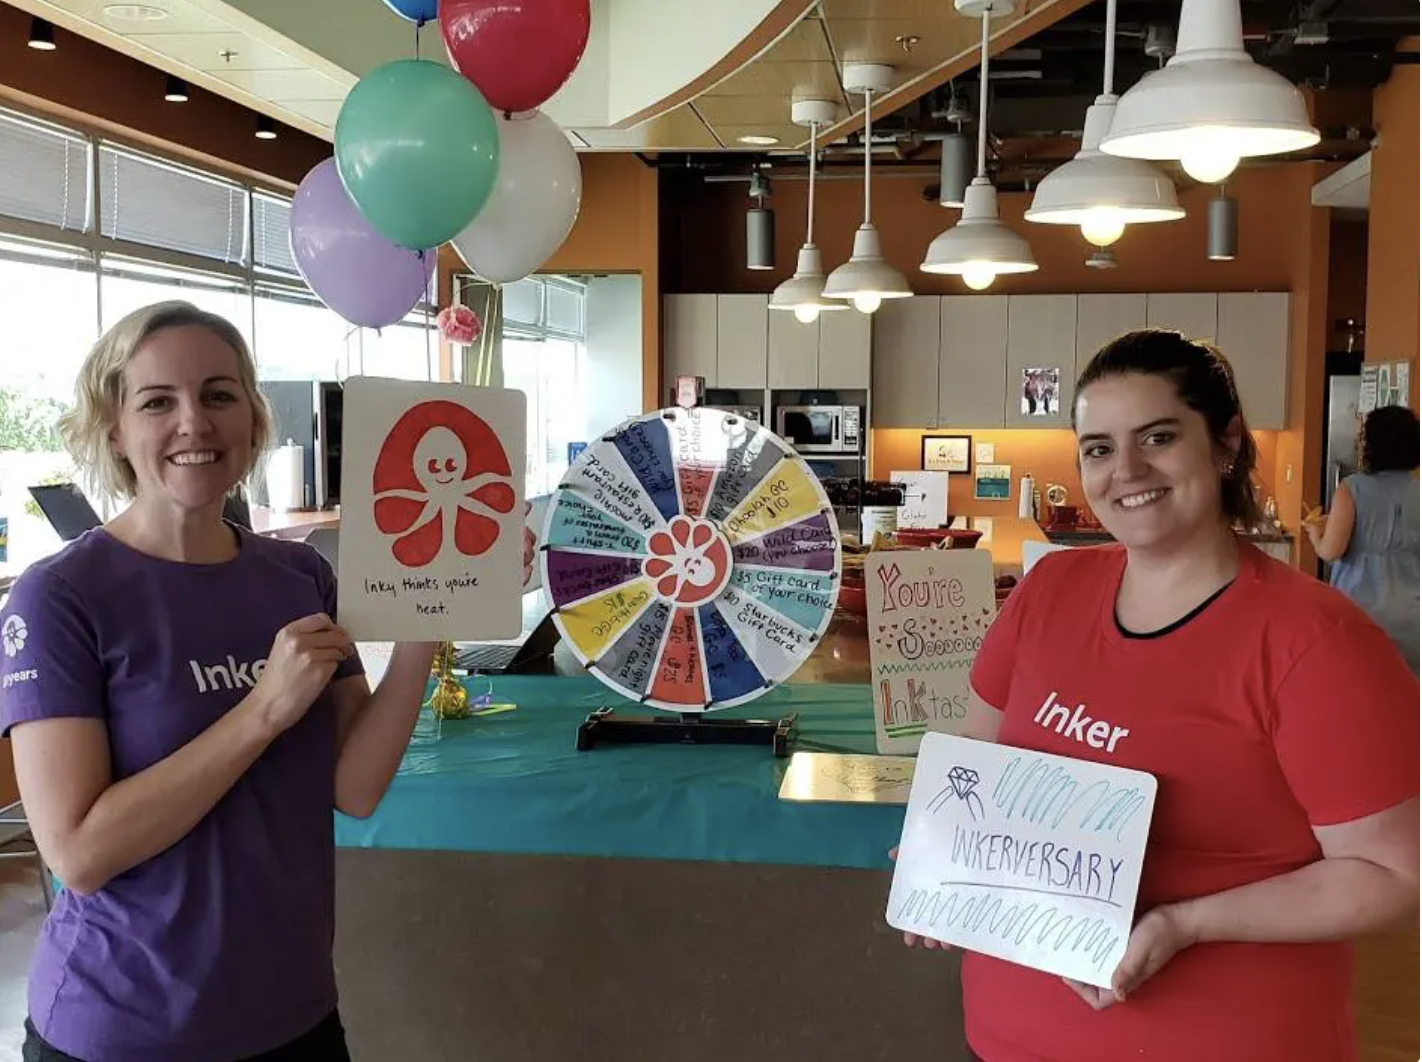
{"type": "Point", "coordinates": [913, 940]}
{"type": "Point", "coordinates": [303, 659]}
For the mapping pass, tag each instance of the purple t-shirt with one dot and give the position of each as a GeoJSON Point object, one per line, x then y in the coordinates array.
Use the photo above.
{"type": "Point", "coordinates": [220, 947]}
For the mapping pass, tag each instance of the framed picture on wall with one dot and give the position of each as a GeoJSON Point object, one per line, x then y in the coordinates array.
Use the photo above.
{"type": "Point", "coordinates": [947, 453]}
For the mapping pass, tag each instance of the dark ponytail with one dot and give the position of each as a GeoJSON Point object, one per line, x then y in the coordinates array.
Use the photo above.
{"type": "Point", "coordinates": [1205, 382]}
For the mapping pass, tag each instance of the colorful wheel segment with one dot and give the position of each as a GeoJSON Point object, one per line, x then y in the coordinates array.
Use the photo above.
{"type": "Point", "coordinates": [692, 560]}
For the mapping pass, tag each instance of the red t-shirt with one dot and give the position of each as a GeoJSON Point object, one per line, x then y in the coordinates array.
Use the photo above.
{"type": "Point", "coordinates": [1279, 706]}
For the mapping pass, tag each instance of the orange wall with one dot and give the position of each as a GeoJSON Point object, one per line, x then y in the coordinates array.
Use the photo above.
{"type": "Point", "coordinates": [616, 232]}
{"type": "Point", "coordinates": [1283, 246]}
{"type": "Point", "coordinates": [1046, 456]}
{"type": "Point", "coordinates": [1392, 239]}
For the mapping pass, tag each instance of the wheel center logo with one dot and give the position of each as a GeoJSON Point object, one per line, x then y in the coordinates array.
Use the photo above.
{"type": "Point", "coordinates": [690, 561]}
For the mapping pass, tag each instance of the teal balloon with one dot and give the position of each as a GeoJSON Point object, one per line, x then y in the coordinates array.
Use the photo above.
{"type": "Point", "coordinates": [418, 151]}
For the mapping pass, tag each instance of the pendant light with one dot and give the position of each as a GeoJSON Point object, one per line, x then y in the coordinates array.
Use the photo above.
{"type": "Point", "coordinates": [804, 292]}
{"type": "Point", "coordinates": [866, 279]}
{"type": "Point", "coordinates": [1211, 104]}
{"type": "Point", "coordinates": [1102, 193]}
{"type": "Point", "coordinates": [980, 246]}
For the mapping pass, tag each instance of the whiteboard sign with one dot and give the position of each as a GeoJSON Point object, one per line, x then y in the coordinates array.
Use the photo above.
{"type": "Point", "coordinates": [431, 511]}
{"type": "Point", "coordinates": [925, 498]}
{"type": "Point", "coordinates": [928, 612]}
{"type": "Point", "coordinates": [1024, 856]}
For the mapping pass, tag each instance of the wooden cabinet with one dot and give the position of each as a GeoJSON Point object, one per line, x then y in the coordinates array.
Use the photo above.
{"type": "Point", "coordinates": [1196, 315]}
{"type": "Point", "coordinates": [1041, 341]}
{"type": "Point", "coordinates": [972, 366]}
{"type": "Point", "coordinates": [906, 362]}
{"type": "Point", "coordinates": [1102, 318]}
{"type": "Point", "coordinates": [794, 351]}
{"type": "Point", "coordinates": [742, 331]}
{"type": "Point", "coordinates": [1254, 336]}
{"type": "Point", "coordinates": [689, 338]}
{"type": "Point", "coordinates": [845, 345]}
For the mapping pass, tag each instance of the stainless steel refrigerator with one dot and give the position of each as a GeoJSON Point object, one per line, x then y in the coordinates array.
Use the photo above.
{"type": "Point", "coordinates": [1340, 455]}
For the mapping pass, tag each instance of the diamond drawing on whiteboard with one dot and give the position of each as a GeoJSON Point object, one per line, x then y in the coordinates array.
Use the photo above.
{"type": "Point", "coordinates": [962, 784]}
{"type": "Point", "coordinates": [441, 470]}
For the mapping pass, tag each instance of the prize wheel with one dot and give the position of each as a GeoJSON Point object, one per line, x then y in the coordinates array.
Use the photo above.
{"type": "Point", "coordinates": [691, 558]}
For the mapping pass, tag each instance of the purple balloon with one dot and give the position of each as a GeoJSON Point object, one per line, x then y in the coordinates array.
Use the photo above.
{"type": "Point", "coordinates": [356, 271]}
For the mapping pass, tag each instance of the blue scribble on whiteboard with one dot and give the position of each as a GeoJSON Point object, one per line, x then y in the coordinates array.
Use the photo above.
{"type": "Point", "coordinates": [1034, 790]}
{"type": "Point", "coordinates": [935, 911]}
{"type": "Point", "coordinates": [962, 781]}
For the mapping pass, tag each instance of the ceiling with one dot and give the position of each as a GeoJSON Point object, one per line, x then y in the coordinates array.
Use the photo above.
{"type": "Point", "coordinates": [653, 80]}
{"type": "Point", "coordinates": [671, 85]}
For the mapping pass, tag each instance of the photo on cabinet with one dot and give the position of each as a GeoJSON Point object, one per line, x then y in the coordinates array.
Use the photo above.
{"type": "Point", "coordinates": [1041, 392]}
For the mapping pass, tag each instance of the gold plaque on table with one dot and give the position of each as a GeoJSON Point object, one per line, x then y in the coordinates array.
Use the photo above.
{"type": "Point", "coordinates": [836, 778]}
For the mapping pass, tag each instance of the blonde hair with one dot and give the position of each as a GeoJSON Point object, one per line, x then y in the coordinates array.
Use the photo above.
{"type": "Point", "coordinates": [98, 394]}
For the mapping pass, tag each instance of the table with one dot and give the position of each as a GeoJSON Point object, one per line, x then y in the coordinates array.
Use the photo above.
{"type": "Point", "coordinates": [627, 801]}
{"type": "Point", "coordinates": [296, 524]}
{"type": "Point", "coordinates": [513, 900]}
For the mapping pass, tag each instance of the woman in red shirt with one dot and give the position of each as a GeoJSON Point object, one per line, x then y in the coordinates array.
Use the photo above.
{"type": "Point", "coordinates": [1281, 723]}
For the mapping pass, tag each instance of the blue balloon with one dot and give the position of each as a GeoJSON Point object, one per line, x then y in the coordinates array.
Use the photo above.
{"type": "Point", "coordinates": [417, 11]}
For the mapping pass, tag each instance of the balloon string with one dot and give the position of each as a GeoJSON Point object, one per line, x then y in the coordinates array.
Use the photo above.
{"type": "Point", "coordinates": [418, 26]}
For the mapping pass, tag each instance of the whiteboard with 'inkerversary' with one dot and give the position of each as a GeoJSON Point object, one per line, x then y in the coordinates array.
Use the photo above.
{"type": "Point", "coordinates": [1025, 856]}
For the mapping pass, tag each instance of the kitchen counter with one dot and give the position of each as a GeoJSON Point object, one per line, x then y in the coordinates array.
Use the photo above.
{"type": "Point", "coordinates": [1005, 540]}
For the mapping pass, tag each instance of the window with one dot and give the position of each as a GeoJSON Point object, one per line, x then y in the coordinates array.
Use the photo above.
{"type": "Point", "coordinates": [129, 284]}
{"type": "Point", "coordinates": [148, 201]}
{"type": "Point", "coordinates": [45, 173]}
{"type": "Point", "coordinates": [406, 351]}
{"type": "Point", "coordinates": [298, 338]}
{"type": "Point", "coordinates": [544, 356]}
{"type": "Point", "coordinates": [48, 321]}
{"type": "Point", "coordinates": [91, 230]}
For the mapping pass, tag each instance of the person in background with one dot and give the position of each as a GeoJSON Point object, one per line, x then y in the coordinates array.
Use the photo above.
{"type": "Point", "coordinates": [1279, 721]}
{"type": "Point", "coordinates": [1370, 538]}
{"type": "Point", "coordinates": [185, 714]}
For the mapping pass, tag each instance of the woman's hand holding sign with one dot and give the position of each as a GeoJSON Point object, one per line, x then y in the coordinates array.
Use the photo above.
{"type": "Point", "coordinates": [1155, 940]}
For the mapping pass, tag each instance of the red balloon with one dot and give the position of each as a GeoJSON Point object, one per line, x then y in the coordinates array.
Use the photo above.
{"type": "Point", "coordinates": [517, 52]}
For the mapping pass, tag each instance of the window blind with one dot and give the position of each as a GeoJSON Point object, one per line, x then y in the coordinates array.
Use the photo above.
{"type": "Point", "coordinates": [146, 201]}
{"type": "Point", "coordinates": [271, 234]}
{"type": "Point", "coordinates": [45, 173]}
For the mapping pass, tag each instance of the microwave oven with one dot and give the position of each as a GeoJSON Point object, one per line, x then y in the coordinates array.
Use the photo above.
{"type": "Point", "coordinates": [819, 429]}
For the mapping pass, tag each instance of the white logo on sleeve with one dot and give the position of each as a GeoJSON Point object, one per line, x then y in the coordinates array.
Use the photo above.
{"type": "Point", "coordinates": [13, 633]}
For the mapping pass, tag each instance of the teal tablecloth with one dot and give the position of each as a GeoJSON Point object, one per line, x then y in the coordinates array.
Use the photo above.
{"type": "Point", "coordinates": [515, 783]}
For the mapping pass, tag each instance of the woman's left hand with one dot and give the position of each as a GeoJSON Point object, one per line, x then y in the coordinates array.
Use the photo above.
{"type": "Point", "coordinates": [530, 543]}
{"type": "Point", "coordinates": [1154, 941]}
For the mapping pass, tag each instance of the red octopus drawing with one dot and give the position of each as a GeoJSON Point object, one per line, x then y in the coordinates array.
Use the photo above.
{"type": "Point", "coordinates": [441, 469]}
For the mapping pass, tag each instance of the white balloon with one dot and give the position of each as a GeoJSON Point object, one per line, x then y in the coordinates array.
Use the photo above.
{"type": "Point", "coordinates": [534, 203]}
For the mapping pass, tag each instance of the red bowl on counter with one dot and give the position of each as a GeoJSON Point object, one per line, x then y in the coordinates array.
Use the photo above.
{"type": "Point", "coordinates": [930, 537]}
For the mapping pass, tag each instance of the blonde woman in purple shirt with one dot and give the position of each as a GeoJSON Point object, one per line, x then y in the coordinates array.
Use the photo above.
{"type": "Point", "coordinates": [185, 714]}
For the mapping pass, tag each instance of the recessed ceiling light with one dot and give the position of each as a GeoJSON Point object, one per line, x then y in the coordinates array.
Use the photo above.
{"type": "Point", "coordinates": [135, 12]}
{"type": "Point", "coordinates": [758, 140]}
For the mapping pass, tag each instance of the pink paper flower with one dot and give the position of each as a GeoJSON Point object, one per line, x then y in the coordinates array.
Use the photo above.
{"type": "Point", "coordinates": [459, 325]}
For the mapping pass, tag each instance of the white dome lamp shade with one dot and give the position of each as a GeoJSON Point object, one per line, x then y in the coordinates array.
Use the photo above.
{"type": "Point", "coordinates": [1102, 193]}
{"type": "Point", "coordinates": [1211, 104]}
{"type": "Point", "coordinates": [980, 248]}
{"type": "Point", "coordinates": [867, 279]}
{"type": "Point", "coordinates": [803, 293]}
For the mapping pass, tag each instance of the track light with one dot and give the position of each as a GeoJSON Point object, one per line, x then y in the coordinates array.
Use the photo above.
{"type": "Point", "coordinates": [177, 91]}
{"type": "Point", "coordinates": [42, 35]}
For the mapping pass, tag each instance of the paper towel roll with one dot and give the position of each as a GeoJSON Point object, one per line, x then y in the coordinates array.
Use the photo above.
{"type": "Point", "coordinates": [286, 477]}
{"type": "Point", "coordinates": [1024, 499]}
